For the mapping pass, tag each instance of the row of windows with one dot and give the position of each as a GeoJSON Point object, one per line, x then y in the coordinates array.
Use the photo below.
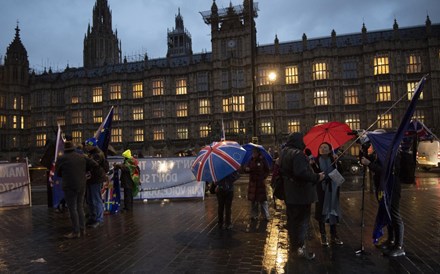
{"type": "Point", "coordinates": [236, 104]}
{"type": "Point", "coordinates": [321, 70]}
{"type": "Point", "coordinates": [17, 102]}
{"type": "Point", "coordinates": [266, 127]}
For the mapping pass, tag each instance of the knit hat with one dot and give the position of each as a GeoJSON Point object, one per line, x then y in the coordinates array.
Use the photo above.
{"type": "Point", "coordinates": [127, 154]}
{"type": "Point", "coordinates": [91, 142]}
{"type": "Point", "coordinates": [68, 146]}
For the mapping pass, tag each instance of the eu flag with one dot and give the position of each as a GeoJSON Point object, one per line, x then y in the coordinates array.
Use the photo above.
{"type": "Point", "coordinates": [103, 134]}
{"type": "Point", "coordinates": [385, 190]}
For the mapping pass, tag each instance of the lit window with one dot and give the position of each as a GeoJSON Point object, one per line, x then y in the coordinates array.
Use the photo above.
{"type": "Point", "coordinates": [158, 112]}
{"type": "Point", "coordinates": [320, 71]}
{"type": "Point", "coordinates": [61, 120]}
{"type": "Point", "coordinates": [22, 122]}
{"type": "Point", "coordinates": [234, 103]}
{"type": "Point", "coordinates": [21, 102]}
{"type": "Point", "coordinates": [181, 86]}
{"type": "Point", "coordinates": [97, 94]}
{"type": "Point", "coordinates": [76, 117]}
{"type": "Point", "coordinates": [291, 75]}
{"type": "Point", "coordinates": [2, 121]}
{"type": "Point", "coordinates": [351, 96]}
{"type": "Point", "coordinates": [15, 103]}
{"type": "Point", "coordinates": [232, 127]}
{"type": "Point", "coordinates": [97, 116]}
{"type": "Point", "coordinates": [381, 65]}
{"type": "Point", "coordinates": [74, 100]}
{"type": "Point", "coordinates": [413, 64]}
{"type": "Point", "coordinates": [384, 121]}
{"type": "Point", "coordinates": [263, 76]}
{"type": "Point", "coordinates": [138, 134]}
{"type": "Point", "coordinates": [294, 125]}
{"type": "Point", "coordinates": [40, 123]}
{"type": "Point", "coordinates": [204, 106]}
{"type": "Point", "coordinates": [14, 121]}
{"type": "Point", "coordinates": [40, 140]}
{"type": "Point", "coordinates": [158, 134]}
{"type": "Point", "coordinates": [321, 119]}
{"type": "Point", "coordinates": [353, 121]}
{"type": "Point", "coordinates": [157, 87]}
{"type": "Point", "coordinates": [77, 137]}
{"type": "Point", "coordinates": [115, 92]}
{"type": "Point", "coordinates": [265, 101]}
{"type": "Point", "coordinates": [182, 109]}
{"type": "Point", "coordinates": [182, 133]}
{"type": "Point", "coordinates": [116, 114]}
{"type": "Point", "coordinates": [116, 135]}
{"type": "Point", "coordinates": [410, 86]}
{"type": "Point", "coordinates": [320, 97]}
{"type": "Point", "coordinates": [138, 113]}
{"type": "Point", "coordinates": [204, 130]}
{"type": "Point", "coordinates": [383, 93]}
{"type": "Point", "coordinates": [266, 127]}
{"type": "Point", "coordinates": [137, 90]}
{"type": "Point", "coordinates": [419, 115]}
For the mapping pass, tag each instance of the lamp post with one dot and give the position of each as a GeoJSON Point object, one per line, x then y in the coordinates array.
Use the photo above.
{"type": "Point", "coordinates": [272, 79]}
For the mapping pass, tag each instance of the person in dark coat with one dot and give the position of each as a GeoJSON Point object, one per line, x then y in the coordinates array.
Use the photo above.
{"type": "Point", "coordinates": [393, 246]}
{"type": "Point", "coordinates": [327, 209]}
{"type": "Point", "coordinates": [300, 192]}
{"type": "Point", "coordinates": [225, 194]}
{"type": "Point", "coordinates": [94, 184]}
{"type": "Point", "coordinates": [72, 167]}
{"type": "Point", "coordinates": [258, 171]}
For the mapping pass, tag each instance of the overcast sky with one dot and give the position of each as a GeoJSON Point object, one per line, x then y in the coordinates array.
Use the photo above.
{"type": "Point", "coordinates": [53, 30]}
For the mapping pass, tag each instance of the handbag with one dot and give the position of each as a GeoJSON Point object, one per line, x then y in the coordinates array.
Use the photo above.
{"type": "Point", "coordinates": [336, 177]}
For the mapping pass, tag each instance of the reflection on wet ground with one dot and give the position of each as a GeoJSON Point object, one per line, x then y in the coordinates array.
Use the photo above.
{"type": "Point", "coordinates": [182, 236]}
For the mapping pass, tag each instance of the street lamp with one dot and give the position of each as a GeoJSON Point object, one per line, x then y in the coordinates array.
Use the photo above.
{"type": "Point", "coordinates": [272, 79]}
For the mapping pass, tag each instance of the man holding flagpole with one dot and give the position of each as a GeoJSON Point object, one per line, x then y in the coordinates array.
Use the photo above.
{"type": "Point", "coordinates": [388, 190]}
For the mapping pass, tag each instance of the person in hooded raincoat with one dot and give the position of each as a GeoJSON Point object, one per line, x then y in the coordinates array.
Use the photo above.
{"type": "Point", "coordinates": [129, 178]}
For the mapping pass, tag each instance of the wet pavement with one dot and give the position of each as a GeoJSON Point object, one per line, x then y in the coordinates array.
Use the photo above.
{"type": "Point", "coordinates": [182, 236]}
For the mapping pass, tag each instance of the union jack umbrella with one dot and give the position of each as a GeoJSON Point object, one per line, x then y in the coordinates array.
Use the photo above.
{"type": "Point", "coordinates": [217, 160]}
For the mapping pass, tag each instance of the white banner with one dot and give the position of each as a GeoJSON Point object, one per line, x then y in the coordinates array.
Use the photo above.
{"type": "Point", "coordinates": [14, 185]}
{"type": "Point", "coordinates": [167, 178]}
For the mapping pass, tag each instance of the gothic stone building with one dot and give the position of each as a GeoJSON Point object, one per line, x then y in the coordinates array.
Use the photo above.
{"type": "Point", "coordinates": [170, 104]}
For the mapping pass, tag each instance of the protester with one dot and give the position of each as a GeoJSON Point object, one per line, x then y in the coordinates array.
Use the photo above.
{"type": "Point", "coordinates": [225, 194]}
{"type": "Point", "coordinates": [72, 167]}
{"type": "Point", "coordinates": [98, 176]}
{"type": "Point", "coordinates": [300, 192]}
{"type": "Point", "coordinates": [129, 178]}
{"type": "Point", "coordinates": [393, 246]}
{"type": "Point", "coordinates": [327, 209]}
{"type": "Point", "coordinates": [258, 171]}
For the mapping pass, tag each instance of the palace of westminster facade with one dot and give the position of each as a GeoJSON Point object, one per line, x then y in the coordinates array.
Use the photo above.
{"type": "Point", "coordinates": [166, 105]}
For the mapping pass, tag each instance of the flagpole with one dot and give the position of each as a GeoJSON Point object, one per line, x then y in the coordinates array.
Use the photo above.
{"type": "Point", "coordinates": [377, 120]}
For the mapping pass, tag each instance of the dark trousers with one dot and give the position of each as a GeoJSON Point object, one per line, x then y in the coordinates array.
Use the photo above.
{"type": "Point", "coordinates": [332, 229]}
{"type": "Point", "coordinates": [75, 203]}
{"type": "Point", "coordinates": [396, 230]}
{"type": "Point", "coordinates": [128, 198]}
{"type": "Point", "coordinates": [298, 217]}
{"type": "Point", "coordinates": [224, 199]}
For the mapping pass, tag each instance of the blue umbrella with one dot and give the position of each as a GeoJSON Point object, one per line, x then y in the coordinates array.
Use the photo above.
{"type": "Point", "coordinates": [217, 160]}
{"type": "Point", "coordinates": [249, 147]}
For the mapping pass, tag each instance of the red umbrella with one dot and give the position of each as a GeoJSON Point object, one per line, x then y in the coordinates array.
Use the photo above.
{"type": "Point", "coordinates": [334, 133]}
